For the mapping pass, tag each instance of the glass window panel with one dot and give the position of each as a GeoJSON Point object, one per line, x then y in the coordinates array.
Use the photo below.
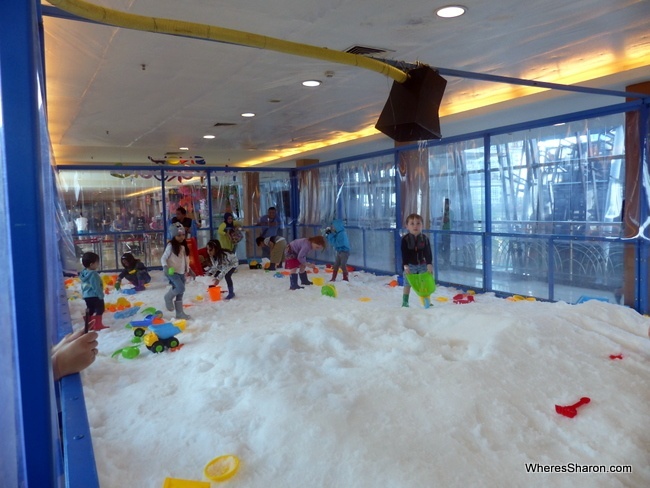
{"type": "Point", "coordinates": [588, 269]}
{"type": "Point", "coordinates": [464, 265]}
{"type": "Point", "coordinates": [520, 266]}
{"type": "Point", "coordinates": [365, 193]}
{"type": "Point", "coordinates": [275, 191]}
{"type": "Point", "coordinates": [379, 247]}
{"type": "Point", "coordinates": [566, 179]}
{"type": "Point", "coordinates": [227, 196]}
{"type": "Point", "coordinates": [107, 212]}
{"type": "Point", "coordinates": [456, 173]}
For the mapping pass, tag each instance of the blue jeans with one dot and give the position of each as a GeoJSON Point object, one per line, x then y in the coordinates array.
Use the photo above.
{"type": "Point", "coordinates": [178, 286]}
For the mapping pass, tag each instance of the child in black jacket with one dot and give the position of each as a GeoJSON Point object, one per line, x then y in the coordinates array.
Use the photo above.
{"type": "Point", "coordinates": [134, 271]}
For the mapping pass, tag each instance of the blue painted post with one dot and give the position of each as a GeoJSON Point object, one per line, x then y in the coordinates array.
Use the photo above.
{"type": "Point", "coordinates": [643, 251]}
{"type": "Point", "coordinates": [295, 203]}
{"type": "Point", "coordinates": [398, 216]}
{"type": "Point", "coordinates": [19, 95]}
{"type": "Point", "coordinates": [487, 234]}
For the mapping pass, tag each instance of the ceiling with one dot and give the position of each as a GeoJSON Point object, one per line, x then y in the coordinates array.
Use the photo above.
{"type": "Point", "coordinates": [117, 95]}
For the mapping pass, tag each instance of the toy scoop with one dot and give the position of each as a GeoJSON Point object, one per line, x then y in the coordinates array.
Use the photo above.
{"type": "Point", "coordinates": [222, 468]}
{"type": "Point", "coordinates": [129, 352]}
{"type": "Point", "coordinates": [572, 410]}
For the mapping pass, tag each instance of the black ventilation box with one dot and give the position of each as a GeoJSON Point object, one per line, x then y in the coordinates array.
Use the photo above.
{"type": "Point", "coordinates": [411, 112]}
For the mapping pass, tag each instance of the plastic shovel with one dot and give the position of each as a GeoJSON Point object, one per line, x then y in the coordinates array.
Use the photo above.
{"type": "Point", "coordinates": [422, 283]}
{"type": "Point", "coordinates": [572, 410]}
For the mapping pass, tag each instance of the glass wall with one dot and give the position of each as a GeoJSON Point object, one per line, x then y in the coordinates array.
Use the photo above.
{"type": "Point", "coordinates": [565, 181]}
{"type": "Point", "coordinates": [539, 215]}
{"type": "Point", "coordinates": [110, 213]}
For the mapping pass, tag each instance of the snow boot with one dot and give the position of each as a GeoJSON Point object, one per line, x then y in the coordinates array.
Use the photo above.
{"type": "Point", "coordinates": [303, 279]}
{"type": "Point", "coordinates": [294, 282]}
{"type": "Point", "coordinates": [231, 294]}
{"type": "Point", "coordinates": [96, 323]}
{"type": "Point", "coordinates": [345, 277]}
{"type": "Point", "coordinates": [272, 267]}
{"type": "Point", "coordinates": [405, 300]}
{"type": "Point", "coordinates": [334, 275]}
{"type": "Point", "coordinates": [180, 314]}
{"type": "Point", "coordinates": [169, 300]}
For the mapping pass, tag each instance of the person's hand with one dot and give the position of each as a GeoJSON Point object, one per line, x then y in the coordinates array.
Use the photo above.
{"type": "Point", "coordinates": [406, 269]}
{"type": "Point", "coordinates": [430, 268]}
{"type": "Point", "coordinates": [74, 353]}
{"type": "Point", "coordinates": [216, 282]}
{"type": "Point", "coordinates": [191, 273]}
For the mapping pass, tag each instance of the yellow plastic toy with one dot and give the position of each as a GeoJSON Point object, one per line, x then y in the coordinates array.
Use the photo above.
{"type": "Point", "coordinates": [222, 468]}
{"type": "Point", "coordinates": [179, 483]}
{"type": "Point", "coordinates": [365, 299]}
{"type": "Point", "coordinates": [318, 280]}
{"type": "Point", "coordinates": [442, 299]}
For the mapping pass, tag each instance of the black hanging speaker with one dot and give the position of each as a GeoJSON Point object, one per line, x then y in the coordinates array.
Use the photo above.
{"type": "Point", "coordinates": [411, 112]}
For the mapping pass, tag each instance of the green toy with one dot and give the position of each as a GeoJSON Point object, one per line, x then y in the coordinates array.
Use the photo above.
{"type": "Point", "coordinates": [422, 283]}
{"type": "Point", "coordinates": [329, 291]}
{"type": "Point", "coordinates": [129, 352]}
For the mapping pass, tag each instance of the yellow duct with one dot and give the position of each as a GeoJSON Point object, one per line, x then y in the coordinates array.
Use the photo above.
{"type": "Point", "coordinates": [213, 33]}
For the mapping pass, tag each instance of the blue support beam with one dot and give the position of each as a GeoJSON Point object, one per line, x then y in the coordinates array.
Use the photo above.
{"type": "Point", "coordinates": [20, 69]}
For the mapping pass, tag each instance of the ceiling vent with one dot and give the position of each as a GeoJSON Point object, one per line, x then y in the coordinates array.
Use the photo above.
{"type": "Point", "coordinates": [224, 124]}
{"type": "Point", "coordinates": [368, 51]}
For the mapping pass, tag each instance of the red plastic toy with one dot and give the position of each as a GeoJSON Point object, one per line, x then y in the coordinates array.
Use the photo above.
{"type": "Point", "coordinates": [615, 356]}
{"type": "Point", "coordinates": [572, 410]}
{"type": "Point", "coordinates": [463, 298]}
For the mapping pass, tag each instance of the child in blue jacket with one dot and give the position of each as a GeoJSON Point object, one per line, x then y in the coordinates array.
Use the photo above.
{"type": "Point", "coordinates": [92, 290]}
{"type": "Point", "coordinates": [338, 239]}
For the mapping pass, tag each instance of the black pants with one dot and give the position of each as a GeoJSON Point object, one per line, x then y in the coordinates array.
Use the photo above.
{"type": "Point", "coordinates": [95, 305]}
{"type": "Point", "coordinates": [228, 278]}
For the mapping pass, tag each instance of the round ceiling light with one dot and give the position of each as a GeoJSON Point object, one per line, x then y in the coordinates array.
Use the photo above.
{"type": "Point", "coordinates": [451, 11]}
{"type": "Point", "coordinates": [311, 83]}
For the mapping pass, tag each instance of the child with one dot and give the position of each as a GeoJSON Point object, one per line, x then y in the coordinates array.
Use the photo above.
{"type": "Point", "coordinates": [276, 246]}
{"type": "Point", "coordinates": [416, 255]}
{"type": "Point", "coordinates": [176, 264]}
{"type": "Point", "coordinates": [296, 258]}
{"type": "Point", "coordinates": [223, 265]}
{"type": "Point", "coordinates": [134, 271]}
{"type": "Point", "coordinates": [229, 232]}
{"type": "Point", "coordinates": [338, 239]}
{"type": "Point", "coordinates": [92, 290]}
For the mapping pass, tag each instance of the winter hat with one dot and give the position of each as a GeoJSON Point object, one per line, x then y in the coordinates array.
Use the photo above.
{"type": "Point", "coordinates": [176, 229]}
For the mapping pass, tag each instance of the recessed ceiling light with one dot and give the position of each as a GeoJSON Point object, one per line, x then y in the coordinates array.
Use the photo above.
{"type": "Point", "coordinates": [184, 148]}
{"type": "Point", "coordinates": [451, 11]}
{"type": "Point", "coordinates": [248, 114]}
{"type": "Point", "coordinates": [311, 83]}
{"type": "Point", "coordinates": [208, 136]}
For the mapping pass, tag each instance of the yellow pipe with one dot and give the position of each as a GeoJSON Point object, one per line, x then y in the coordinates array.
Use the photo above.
{"type": "Point", "coordinates": [109, 16]}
